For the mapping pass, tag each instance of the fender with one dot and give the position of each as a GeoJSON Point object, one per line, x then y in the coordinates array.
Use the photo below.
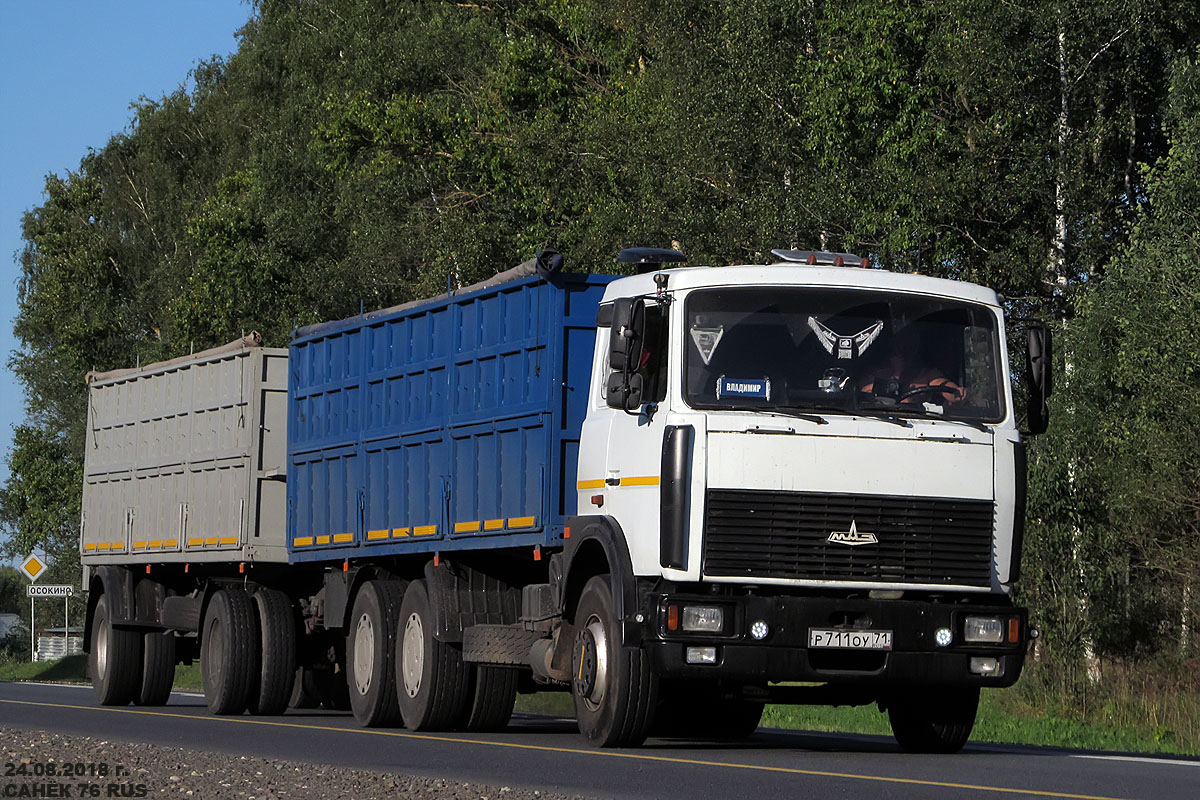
{"type": "Point", "coordinates": [591, 537]}
{"type": "Point", "coordinates": [115, 583]}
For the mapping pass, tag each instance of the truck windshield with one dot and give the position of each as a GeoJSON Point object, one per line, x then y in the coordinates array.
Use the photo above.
{"type": "Point", "coordinates": [842, 350]}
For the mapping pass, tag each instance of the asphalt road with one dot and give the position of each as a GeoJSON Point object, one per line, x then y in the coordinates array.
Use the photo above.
{"type": "Point", "coordinates": [547, 753]}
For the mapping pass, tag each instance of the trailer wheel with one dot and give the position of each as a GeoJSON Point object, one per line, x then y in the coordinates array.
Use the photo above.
{"type": "Point", "coordinates": [228, 651]}
{"type": "Point", "coordinates": [941, 724]}
{"type": "Point", "coordinates": [615, 688]}
{"type": "Point", "coordinates": [431, 677]}
{"type": "Point", "coordinates": [371, 653]}
{"type": "Point", "coordinates": [276, 627]}
{"type": "Point", "coordinates": [115, 660]}
{"type": "Point", "coordinates": [158, 669]}
{"type": "Point", "coordinates": [492, 693]}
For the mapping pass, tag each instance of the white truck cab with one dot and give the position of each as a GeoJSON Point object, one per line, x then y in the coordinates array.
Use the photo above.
{"type": "Point", "coordinates": [817, 474]}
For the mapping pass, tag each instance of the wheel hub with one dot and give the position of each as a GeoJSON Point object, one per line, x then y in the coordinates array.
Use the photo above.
{"type": "Point", "coordinates": [364, 654]}
{"type": "Point", "coordinates": [591, 664]}
{"type": "Point", "coordinates": [412, 662]}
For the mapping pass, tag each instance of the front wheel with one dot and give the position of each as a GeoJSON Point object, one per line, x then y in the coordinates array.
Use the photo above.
{"type": "Point", "coordinates": [615, 689]}
{"type": "Point", "coordinates": [929, 723]}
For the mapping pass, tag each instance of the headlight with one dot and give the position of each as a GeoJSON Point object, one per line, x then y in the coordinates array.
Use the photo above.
{"type": "Point", "coordinates": [983, 629]}
{"type": "Point", "coordinates": [706, 619]}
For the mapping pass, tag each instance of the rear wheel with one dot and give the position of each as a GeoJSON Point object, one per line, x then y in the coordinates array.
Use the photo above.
{"type": "Point", "coordinates": [158, 669]}
{"type": "Point", "coordinates": [371, 652]}
{"type": "Point", "coordinates": [276, 628]}
{"type": "Point", "coordinates": [614, 687]}
{"type": "Point", "coordinates": [115, 660]}
{"type": "Point", "coordinates": [431, 678]}
{"type": "Point", "coordinates": [941, 723]}
{"type": "Point", "coordinates": [228, 651]}
{"type": "Point", "coordinates": [492, 695]}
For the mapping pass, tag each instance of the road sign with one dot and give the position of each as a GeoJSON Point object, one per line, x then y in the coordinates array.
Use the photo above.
{"type": "Point", "coordinates": [47, 590]}
{"type": "Point", "coordinates": [33, 567]}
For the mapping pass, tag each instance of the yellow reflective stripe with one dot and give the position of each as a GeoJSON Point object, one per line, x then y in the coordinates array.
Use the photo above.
{"type": "Point", "coordinates": [466, 527]}
{"type": "Point", "coordinates": [229, 540]}
{"type": "Point", "coordinates": [493, 524]}
{"type": "Point", "coordinates": [374, 536]}
{"type": "Point", "coordinates": [170, 542]}
{"type": "Point", "coordinates": [343, 537]}
{"type": "Point", "coordinates": [651, 480]}
{"type": "Point", "coordinates": [103, 546]}
{"type": "Point", "coordinates": [209, 541]}
{"type": "Point", "coordinates": [302, 541]}
{"type": "Point", "coordinates": [521, 522]}
{"type": "Point", "coordinates": [425, 530]}
{"type": "Point", "coordinates": [156, 543]}
{"type": "Point", "coordinates": [399, 533]}
{"type": "Point", "coordinates": [596, 484]}
{"type": "Point", "coordinates": [89, 547]}
{"type": "Point", "coordinates": [118, 545]}
{"type": "Point", "coordinates": [323, 539]}
{"type": "Point", "coordinates": [195, 542]}
{"type": "Point", "coordinates": [139, 545]}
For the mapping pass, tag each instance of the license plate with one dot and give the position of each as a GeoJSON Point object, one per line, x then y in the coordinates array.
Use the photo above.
{"type": "Point", "coordinates": [850, 640]}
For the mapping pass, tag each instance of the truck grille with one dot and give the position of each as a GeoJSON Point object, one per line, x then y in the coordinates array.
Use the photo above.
{"type": "Point", "coordinates": [767, 534]}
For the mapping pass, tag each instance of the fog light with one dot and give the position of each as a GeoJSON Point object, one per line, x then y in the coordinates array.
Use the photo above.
{"type": "Point", "coordinates": [759, 630]}
{"type": "Point", "coordinates": [706, 619]}
{"type": "Point", "coordinates": [987, 667]}
{"type": "Point", "coordinates": [943, 637]}
{"type": "Point", "coordinates": [702, 655]}
{"type": "Point", "coordinates": [983, 629]}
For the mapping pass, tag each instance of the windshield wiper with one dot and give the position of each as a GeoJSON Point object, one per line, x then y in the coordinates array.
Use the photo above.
{"type": "Point", "coordinates": [874, 414]}
{"type": "Point", "coordinates": [925, 413]}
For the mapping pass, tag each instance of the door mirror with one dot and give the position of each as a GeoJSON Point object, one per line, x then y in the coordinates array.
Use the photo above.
{"type": "Point", "coordinates": [624, 391]}
{"type": "Point", "coordinates": [626, 335]}
{"type": "Point", "coordinates": [1038, 357]}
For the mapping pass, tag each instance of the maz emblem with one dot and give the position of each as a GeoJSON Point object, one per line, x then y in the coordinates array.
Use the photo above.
{"type": "Point", "coordinates": [852, 537]}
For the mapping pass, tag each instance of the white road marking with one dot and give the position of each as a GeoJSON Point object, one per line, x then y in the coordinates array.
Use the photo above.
{"type": "Point", "coordinates": [1140, 759]}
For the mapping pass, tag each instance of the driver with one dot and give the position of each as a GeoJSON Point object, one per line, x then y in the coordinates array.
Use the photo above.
{"type": "Point", "coordinates": [905, 378]}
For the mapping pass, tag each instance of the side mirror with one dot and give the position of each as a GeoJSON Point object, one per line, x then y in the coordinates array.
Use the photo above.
{"type": "Point", "coordinates": [624, 391]}
{"type": "Point", "coordinates": [625, 336]}
{"type": "Point", "coordinates": [1038, 358]}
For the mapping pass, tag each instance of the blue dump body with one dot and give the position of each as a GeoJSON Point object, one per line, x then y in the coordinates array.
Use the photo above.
{"type": "Point", "coordinates": [447, 425]}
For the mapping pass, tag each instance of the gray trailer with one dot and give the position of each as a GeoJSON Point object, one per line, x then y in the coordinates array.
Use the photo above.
{"type": "Point", "coordinates": [184, 461]}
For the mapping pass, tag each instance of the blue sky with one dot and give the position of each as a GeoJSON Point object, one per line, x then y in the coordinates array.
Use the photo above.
{"type": "Point", "coordinates": [68, 74]}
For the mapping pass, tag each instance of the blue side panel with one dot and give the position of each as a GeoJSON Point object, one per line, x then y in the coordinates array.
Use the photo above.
{"type": "Point", "coordinates": [451, 424]}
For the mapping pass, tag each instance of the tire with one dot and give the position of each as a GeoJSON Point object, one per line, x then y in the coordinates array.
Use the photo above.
{"type": "Point", "coordinates": [158, 669]}
{"type": "Point", "coordinates": [687, 711]}
{"type": "Point", "coordinates": [493, 692]}
{"type": "Point", "coordinates": [306, 689]}
{"type": "Point", "coordinates": [115, 660]}
{"type": "Point", "coordinates": [228, 651]}
{"type": "Point", "coordinates": [925, 724]}
{"type": "Point", "coordinates": [614, 687]}
{"type": "Point", "coordinates": [431, 678]}
{"type": "Point", "coordinates": [275, 626]}
{"type": "Point", "coordinates": [498, 644]}
{"type": "Point", "coordinates": [371, 653]}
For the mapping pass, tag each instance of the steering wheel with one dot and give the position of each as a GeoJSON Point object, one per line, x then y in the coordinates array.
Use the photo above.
{"type": "Point", "coordinates": [938, 388]}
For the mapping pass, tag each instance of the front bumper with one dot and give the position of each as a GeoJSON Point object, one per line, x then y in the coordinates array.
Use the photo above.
{"type": "Point", "coordinates": [915, 657]}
